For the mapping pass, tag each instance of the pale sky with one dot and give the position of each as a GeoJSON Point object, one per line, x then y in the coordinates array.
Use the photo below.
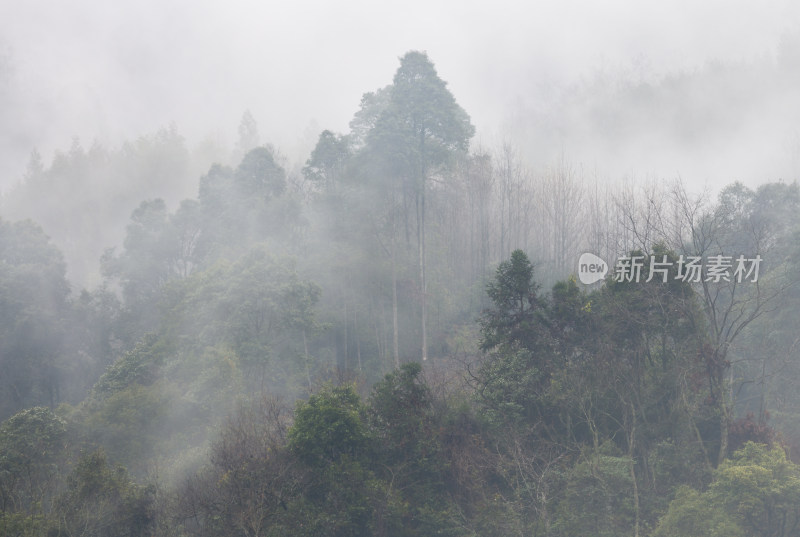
{"type": "Point", "coordinates": [113, 71]}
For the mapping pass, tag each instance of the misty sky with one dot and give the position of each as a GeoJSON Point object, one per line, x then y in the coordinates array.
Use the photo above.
{"type": "Point", "coordinates": [111, 71]}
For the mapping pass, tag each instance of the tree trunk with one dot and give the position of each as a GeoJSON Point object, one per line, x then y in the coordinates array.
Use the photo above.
{"type": "Point", "coordinates": [422, 279]}
{"type": "Point", "coordinates": [358, 338]}
{"type": "Point", "coordinates": [305, 349]}
{"type": "Point", "coordinates": [724, 419]}
{"type": "Point", "coordinates": [633, 472]}
{"type": "Point", "coordinates": [421, 241]}
{"type": "Point", "coordinates": [346, 350]}
{"type": "Point", "coordinates": [395, 331]}
{"type": "Point", "coordinates": [723, 434]}
{"type": "Point", "coordinates": [723, 398]}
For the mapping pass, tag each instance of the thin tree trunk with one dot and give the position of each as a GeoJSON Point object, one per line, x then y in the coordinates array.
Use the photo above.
{"type": "Point", "coordinates": [358, 338]}
{"type": "Point", "coordinates": [422, 281]}
{"type": "Point", "coordinates": [380, 328]}
{"type": "Point", "coordinates": [421, 236]}
{"type": "Point", "coordinates": [395, 330]}
{"type": "Point", "coordinates": [305, 349]}
{"type": "Point", "coordinates": [724, 423]}
{"type": "Point", "coordinates": [633, 472]}
{"type": "Point", "coordinates": [346, 350]}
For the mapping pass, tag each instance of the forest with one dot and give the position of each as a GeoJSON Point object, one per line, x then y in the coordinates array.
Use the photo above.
{"type": "Point", "coordinates": [390, 338]}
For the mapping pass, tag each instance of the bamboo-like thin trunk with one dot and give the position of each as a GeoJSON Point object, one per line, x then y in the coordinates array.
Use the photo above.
{"type": "Point", "coordinates": [358, 339]}
{"type": "Point", "coordinates": [305, 349]}
{"type": "Point", "coordinates": [395, 330]}
{"type": "Point", "coordinates": [421, 242]}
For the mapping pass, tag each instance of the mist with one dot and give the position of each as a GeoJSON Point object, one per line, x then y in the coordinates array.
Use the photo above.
{"type": "Point", "coordinates": [113, 73]}
{"type": "Point", "coordinates": [312, 269]}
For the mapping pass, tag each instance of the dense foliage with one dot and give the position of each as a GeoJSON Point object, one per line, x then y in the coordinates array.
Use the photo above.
{"type": "Point", "coordinates": [389, 341]}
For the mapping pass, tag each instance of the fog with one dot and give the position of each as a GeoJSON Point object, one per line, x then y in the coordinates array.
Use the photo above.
{"type": "Point", "coordinates": [112, 72]}
{"type": "Point", "coordinates": [312, 269]}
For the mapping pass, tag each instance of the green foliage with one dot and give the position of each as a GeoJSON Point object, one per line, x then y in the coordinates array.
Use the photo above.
{"type": "Point", "coordinates": [410, 452]}
{"type": "Point", "coordinates": [33, 313]}
{"type": "Point", "coordinates": [259, 177]}
{"type": "Point", "coordinates": [400, 404]}
{"type": "Point", "coordinates": [242, 206]}
{"type": "Point", "coordinates": [93, 325]}
{"type": "Point", "coordinates": [336, 471]}
{"type": "Point", "coordinates": [692, 514]}
{"type": "Point", "coordinates": [328, 159]}
{"type": "Point", "coordinates": [158, 248]}
{"type": "Point", "coordinates": [84, 197]}
{"type": "Point", "coordinates": [129, 422]}
{"type": "Point", "coordinates": [515, 318]}
{"type": "Point", "coordinates": [762, 488]}
{"type": "Point", "coordinates": [128, 405]}
{"type": "Point", "coordinates": [515, 374]}
{"type": "Point", "coordinates": [330, 425]}
{"type": "Point", "coordinates": [372, 106]}
{"type": "Point", "coordinates": [756, 492]}
{"type": "Point", "coordinates": [32, 444]}
{"type": "Point", "coordinates": [101, 501]}
{"type": "Point", "coordinates": [144, 267]}
{"type": "Point", "coordinates": [257, 307]}
{"type": "Point", "coordinates": [587, 412]}
{"type": "Point", "coordinates": [32, 435]}
{"type": "Point", "coordinates": [422, 120]}
{"type": "Point", "coordinates": [340, 499]}
{"type": "Point", "coordinates": [511, 386]}
{"type": "Point", "coordinates": [597, 498]}
{"type": "Point", "coordinates": [138, 366]}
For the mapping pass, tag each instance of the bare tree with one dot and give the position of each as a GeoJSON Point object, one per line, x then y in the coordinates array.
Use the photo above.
{"type": "Point", "coordinates": [561, 194]}
{"type": "Point", "coordinates": [692, 227]}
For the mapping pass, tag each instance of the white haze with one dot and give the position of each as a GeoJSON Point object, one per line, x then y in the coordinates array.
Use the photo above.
{"type": "Point", "coordinates": [112, 71]}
